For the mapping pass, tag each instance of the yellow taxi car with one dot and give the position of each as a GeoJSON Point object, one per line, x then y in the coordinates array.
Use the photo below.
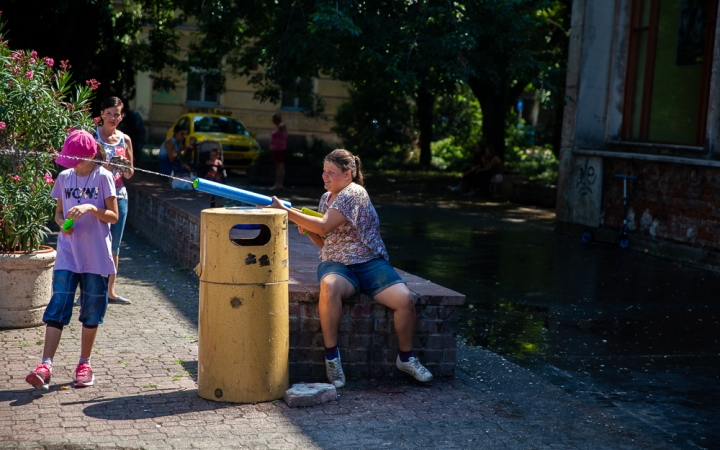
{"type": "Point", "coordinates": [239, 144]}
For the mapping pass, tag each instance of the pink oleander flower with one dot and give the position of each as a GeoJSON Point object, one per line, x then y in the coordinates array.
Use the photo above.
{"type": "Point", "coordinates": [33, 54]}
{"type": "Point", "coordinates": [93, 83]}
{"type": "Point", "coordinates": [50, 62]}
{"type": "Point", "coordinates": [15, 56]}
{"type": "Point", "coordinates": [29, 74]}
{"type": "Point", "coordinates": [15, 178]}
{"type": "Point", "coordinates": [10, 84]}
{"type": "Point", "coordinates": [96, 119]}
{"type": "Point", "coordinates": [48, 178]}
{"type": "Point", "coordinates": [71, 129]}
{"type": "Point", "coordinates": [2, 126]}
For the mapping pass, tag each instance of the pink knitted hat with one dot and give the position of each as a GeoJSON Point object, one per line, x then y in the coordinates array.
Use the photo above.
{"type": "Point", "coordinates": [80, 144]}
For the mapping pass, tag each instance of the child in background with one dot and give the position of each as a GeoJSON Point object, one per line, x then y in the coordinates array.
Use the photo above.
{"type": "Point", "coordinates": [215, 169]}
{"type": "Point", "coordinates": [86, 194]}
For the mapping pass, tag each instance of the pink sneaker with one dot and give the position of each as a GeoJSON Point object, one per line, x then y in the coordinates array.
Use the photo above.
{"type": "Point", "coordinates": [40, 377]}
{"type": "Point", "coordinates": [84, 376]}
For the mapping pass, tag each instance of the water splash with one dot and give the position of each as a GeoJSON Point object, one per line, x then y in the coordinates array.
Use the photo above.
{"type": "Point", "coordinates": [106, 163]}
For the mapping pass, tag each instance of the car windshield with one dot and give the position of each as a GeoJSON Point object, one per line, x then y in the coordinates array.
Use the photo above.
{"type": "Point", "coordinates": [208, 124]}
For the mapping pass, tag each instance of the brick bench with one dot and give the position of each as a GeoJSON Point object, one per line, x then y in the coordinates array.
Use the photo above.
{"type": "Point", "coordinates": [367, 341]}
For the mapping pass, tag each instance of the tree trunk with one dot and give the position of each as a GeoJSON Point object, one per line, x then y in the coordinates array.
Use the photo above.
{"type": "Point", "coordinates": [425, 112]}
{"type": "Point", "coordinates": [494, 105]}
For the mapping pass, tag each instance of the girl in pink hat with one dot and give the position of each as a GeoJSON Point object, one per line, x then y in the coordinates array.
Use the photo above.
{"type": "Point", "coordinates": [85, 194]}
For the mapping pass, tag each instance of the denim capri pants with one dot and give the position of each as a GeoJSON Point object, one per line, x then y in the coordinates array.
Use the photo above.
{"type": "Point", "coordinates": [371, 277]}
{"type": "Point", "coordinates": [93, 289]}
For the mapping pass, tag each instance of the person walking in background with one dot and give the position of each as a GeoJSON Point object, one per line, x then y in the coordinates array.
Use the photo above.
{"type": "Point", "coordinates": [133, 126]}
{"type": "Point", "coordinates": [278, 148]}
{"type": "Point", "coordinates": [85, 193]}
{"type": "Point", "coordinates": [354, 260]}
{"type": "Point", "coordinates": [118, 148]}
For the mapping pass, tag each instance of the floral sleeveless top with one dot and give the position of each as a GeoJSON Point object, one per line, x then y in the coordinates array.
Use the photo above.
{"type": "Point", "coordinates": [112, 150]}
{"type": "Point", "coordinates": [358, 239]}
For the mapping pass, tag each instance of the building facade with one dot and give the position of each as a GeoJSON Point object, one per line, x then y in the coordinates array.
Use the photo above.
{"type": "Point", "coordinates": [160, 109]}
{"type": "Point", "coordinates": [643, 100]}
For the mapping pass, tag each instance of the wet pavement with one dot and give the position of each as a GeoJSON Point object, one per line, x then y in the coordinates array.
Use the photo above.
{"type": "Point", "coordinates": [619, 329]}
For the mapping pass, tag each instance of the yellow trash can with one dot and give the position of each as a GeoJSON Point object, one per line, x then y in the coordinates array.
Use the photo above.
{"type": "Point", "coordinates": [243, 321]}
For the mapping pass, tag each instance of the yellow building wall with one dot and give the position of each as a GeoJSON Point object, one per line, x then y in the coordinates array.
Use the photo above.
{"type": "Point", "coordinates": [160, 110]}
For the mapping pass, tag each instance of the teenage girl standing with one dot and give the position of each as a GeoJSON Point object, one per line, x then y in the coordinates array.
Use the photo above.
{"type": "Point", "coordinates": [118, 148]}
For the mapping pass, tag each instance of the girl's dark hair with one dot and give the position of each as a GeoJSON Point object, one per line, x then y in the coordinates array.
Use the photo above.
{"type": "Point", "coordinates": [347, 161]}
{"type": "Point", "coordinates": [178, 128]}
{"type": "Point", "coordinates": [100, 155]}
{"type": "Point", "coordinates": [111, 102]}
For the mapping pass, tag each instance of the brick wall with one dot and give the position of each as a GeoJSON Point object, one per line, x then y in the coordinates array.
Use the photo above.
{"type": "Point", "coordinates": [367, 339]}
{"type": "Point", "coordinates": [667, 201]}
{"type": "Point", "coordinates": [168, 227]}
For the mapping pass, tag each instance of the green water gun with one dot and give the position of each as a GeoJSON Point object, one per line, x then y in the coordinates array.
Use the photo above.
{"type": "Point", "coordinates": [310, 212]}
{"type": "Point", "coordinates": [67, 224]}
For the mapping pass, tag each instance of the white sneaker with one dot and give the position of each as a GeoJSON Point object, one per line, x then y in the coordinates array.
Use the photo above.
{"type": "Point", "coordinates": [334, 372]}
{"type": "Point", "coordinates": [414, 368]}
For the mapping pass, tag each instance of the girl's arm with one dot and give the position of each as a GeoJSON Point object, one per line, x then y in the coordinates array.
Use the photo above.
{"type": "Point", "coordinates": [170, 149]}
{"type": "Point", "coordinates": [109, 214]}
{"type": "Point", "coordinates": [129, 155]}
{"type": "Point", "coordinates": [318, 225]}
{"type": "Point", "coordinates": [60, 218]}
{"type": "Point", "coordinates": [315, 238]}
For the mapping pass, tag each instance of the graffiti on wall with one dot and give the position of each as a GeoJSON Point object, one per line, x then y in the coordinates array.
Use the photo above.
{"type": "Point", "coordinates": [586, 177]}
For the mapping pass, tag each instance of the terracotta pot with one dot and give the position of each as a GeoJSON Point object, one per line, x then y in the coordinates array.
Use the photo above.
{"type": "Point", "coordinates": [25, 287]}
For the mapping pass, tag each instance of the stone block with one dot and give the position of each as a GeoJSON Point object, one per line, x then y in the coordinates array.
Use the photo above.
{"type": "Point", "coordinates": [309, 394]}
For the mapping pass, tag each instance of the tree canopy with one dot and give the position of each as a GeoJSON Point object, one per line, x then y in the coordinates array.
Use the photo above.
{"type": "Point", "coordinates": [418, 48]}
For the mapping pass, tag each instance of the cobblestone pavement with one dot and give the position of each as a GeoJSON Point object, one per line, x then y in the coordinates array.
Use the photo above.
{"type": "Point", "coordinates": [145, 395]}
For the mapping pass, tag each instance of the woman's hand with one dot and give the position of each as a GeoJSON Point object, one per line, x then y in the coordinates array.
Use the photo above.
{"type": "Point", "coordinates": [277, 204]}
{"type": "Point", "coordinates": [120, 161]}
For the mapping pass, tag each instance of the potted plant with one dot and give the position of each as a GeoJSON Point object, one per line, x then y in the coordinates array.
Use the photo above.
{"type": "Point", "coordinates": [39, 105]}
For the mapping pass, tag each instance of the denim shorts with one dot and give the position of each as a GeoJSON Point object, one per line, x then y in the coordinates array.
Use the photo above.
{"type": "Point", "coordinates": [116, 229]}
{"type": "Point", "coordinates": [371, 277]}
{"type": "Point", "coordinates": [93, 294]}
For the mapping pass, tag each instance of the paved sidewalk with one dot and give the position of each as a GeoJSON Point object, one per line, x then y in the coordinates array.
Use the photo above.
{"type": "Point", "coordinates": [145, 395]}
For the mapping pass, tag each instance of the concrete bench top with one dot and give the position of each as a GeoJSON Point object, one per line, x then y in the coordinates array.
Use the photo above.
{"type": "Point", "coordinates": [303, 285]}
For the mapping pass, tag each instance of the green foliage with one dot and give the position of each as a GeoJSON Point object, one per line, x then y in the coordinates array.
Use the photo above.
{"type": "Point", "coordinates": [38, 106]}
{"type": "Point", "coordinates": [457, 115]}
{"type": "Point", "coordinates": [375, 123]}
{"type": "Point", "coordinates": [100, 41]}
{"type": "Point", "coordinates": [447, 154]}
{"type": "Point", "coordinates": [458, 125]}
{"type": "Point", "coordinates": [536, 162]}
